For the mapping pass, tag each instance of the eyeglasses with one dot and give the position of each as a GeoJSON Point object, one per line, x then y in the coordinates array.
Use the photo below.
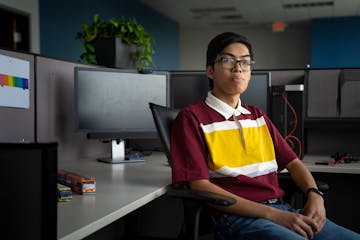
{"type": "Point", "coordinates": [230, 63]}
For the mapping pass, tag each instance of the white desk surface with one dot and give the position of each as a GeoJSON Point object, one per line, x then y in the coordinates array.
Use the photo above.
{"type": "Point", "coordinates": [123, 188]}
{"type": "Point", "coordinates": [120, 189]}
{"type": "Point", "coordinates": [348, 168]}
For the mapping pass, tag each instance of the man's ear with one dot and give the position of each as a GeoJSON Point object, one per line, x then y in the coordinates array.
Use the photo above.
{"type": "Point", "coordinates": [209, 71]}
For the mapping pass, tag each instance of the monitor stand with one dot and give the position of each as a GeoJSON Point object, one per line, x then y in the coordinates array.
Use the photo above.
{"type": "Point", "coordinates": [118, 154]}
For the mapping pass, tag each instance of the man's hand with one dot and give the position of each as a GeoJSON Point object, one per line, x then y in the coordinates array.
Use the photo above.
{"type": "Point", "coordinates": [299, 223]}
{"type": "Point", "coordinates": [314, 208]}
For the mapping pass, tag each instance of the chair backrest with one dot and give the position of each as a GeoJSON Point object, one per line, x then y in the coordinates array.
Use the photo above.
{"type": "Point", "coordinates": [163, 118]}
{"type": "Point", "coordinates": [193, 200]}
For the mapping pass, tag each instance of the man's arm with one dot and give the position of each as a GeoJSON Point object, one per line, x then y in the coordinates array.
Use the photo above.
{"type": "Point", "coordinates": [299, 223]}
{"type": "Point", "coordinates": [314, 206]}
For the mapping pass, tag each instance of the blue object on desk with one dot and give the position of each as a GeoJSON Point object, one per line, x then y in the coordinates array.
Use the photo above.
{"type": "Point", "coordinates": [133, 156]}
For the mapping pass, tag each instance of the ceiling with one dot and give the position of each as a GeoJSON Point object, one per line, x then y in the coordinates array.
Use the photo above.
{"type": "Point", "coordinates": [247, 13]}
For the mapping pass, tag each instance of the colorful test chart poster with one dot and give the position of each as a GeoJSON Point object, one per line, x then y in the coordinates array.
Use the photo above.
{"type": "Point", "coordinates": [14, 82]}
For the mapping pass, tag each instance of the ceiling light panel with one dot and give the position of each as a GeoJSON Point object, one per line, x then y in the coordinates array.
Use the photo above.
{"type": "Point", "coordinates": [232, 24]}
{"type": "Point", "coordinates": [231, 17]}
{"type": "Point", "coordinates": [308, 4]}
{"type": "Point", "coordinates": [209, 10]}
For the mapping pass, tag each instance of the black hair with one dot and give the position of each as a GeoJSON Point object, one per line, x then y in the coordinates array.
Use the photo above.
{"type": "Point", "coordinates": [219, 42]}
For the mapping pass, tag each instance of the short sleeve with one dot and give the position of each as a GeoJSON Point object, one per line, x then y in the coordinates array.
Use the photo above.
{"type": "Point", "coordinates": [188, 149]}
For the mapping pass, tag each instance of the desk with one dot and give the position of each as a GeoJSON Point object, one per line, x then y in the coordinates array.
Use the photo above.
{"type": "Point", "coordinates": [347, 168]}
{"type": "Point", "coordinates": [120, 189]}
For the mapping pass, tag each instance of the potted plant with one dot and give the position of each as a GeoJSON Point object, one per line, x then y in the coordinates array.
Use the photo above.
{"type": "Point", "coordinates": [114, 33]}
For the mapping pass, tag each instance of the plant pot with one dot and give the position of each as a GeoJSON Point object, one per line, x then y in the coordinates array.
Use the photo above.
{"type": "Point", "coordinates": [112, 52]}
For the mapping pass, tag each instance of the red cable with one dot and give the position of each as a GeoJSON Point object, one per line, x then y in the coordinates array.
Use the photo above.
{"type": "Point", "coordinates": [290, 136]}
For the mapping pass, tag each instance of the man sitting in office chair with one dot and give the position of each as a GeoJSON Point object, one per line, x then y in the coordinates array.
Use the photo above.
{"type": "Point", "coordinates": [223, 146]}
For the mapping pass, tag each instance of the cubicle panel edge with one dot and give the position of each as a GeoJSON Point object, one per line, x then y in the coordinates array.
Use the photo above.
{"type": "Point", "coordinates": [29, 174]}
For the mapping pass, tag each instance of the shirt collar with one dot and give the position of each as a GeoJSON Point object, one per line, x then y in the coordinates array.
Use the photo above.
{"type": "Point", "coordinates": [224, 109]}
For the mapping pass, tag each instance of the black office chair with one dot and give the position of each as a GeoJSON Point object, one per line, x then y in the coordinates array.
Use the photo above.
{"type": "Point", "coordinates": [195, 201]}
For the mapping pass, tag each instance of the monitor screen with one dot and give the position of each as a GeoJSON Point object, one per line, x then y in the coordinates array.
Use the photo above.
{"type": "Point", "coordinates": [188, 87]}
{"type": "Point", "coordinates": [17, 110]}
{"type": "Point", "coordinates": [113, 104]}
{"type": "Point", "coordinates": [258, 91]}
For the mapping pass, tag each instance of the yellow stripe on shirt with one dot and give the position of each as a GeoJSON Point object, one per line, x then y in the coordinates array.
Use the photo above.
{"type": "Point", "coordinates": [227, 151]}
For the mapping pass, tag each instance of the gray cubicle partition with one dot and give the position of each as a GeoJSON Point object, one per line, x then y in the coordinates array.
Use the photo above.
{"type": "Point", "coordinates": [322, 93]}
{"type": "Point", "coordinates": [17, 124]}
{"type": "Point", "coordinates": [55, 104]}
{"type": "Point", "coordinates": [56, 111]}
{"type": "Point", "coordinates": [332, 120]}
{"type": "Point", "coordinates": [349, 84]}
{"type": "Point", "coordinates": [282, 77]}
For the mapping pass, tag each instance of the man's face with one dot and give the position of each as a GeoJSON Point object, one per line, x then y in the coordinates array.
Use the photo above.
{"type": "Point", "coordinates": [230, 82]}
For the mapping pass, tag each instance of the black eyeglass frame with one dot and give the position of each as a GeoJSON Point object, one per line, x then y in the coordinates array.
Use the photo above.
{"type": "Point", "coordinates": [250, 63]}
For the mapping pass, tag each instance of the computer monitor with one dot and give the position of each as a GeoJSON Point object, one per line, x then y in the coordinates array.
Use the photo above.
{"type": "Point", "coordinates": [17, 98]}
{"type": "Point", "coordinates": [258, 91]}
{"type": "Point", "coordinates": [113, 105]}
{"type": "Point", "coordinates": [191, 86]}
{"type": "Point", "coordinates": [188, 87]}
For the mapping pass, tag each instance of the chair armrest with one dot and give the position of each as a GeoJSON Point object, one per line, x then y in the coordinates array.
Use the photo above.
{"type": "Point", "coordinates": [293, 194]}
{"type": "Point", "coordinates": [322, 186]}
{"type": "Point", "coordinates": [286, 182]}
{"type": "Point", "coordinates": [201, 196]}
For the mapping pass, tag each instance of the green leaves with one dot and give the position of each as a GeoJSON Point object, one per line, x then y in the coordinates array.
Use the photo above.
{"type": "Point", "coordinates": [130, 31]}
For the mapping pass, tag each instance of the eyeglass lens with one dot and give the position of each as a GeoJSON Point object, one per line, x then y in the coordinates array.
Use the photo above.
{"type": "Point", "coordinates": [230, 63]}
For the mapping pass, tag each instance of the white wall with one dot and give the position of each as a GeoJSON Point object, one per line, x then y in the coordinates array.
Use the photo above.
{"type": "Point", "coordinates": [30, 7]}
{"type": "Point", "coordinates": [289, 49]}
